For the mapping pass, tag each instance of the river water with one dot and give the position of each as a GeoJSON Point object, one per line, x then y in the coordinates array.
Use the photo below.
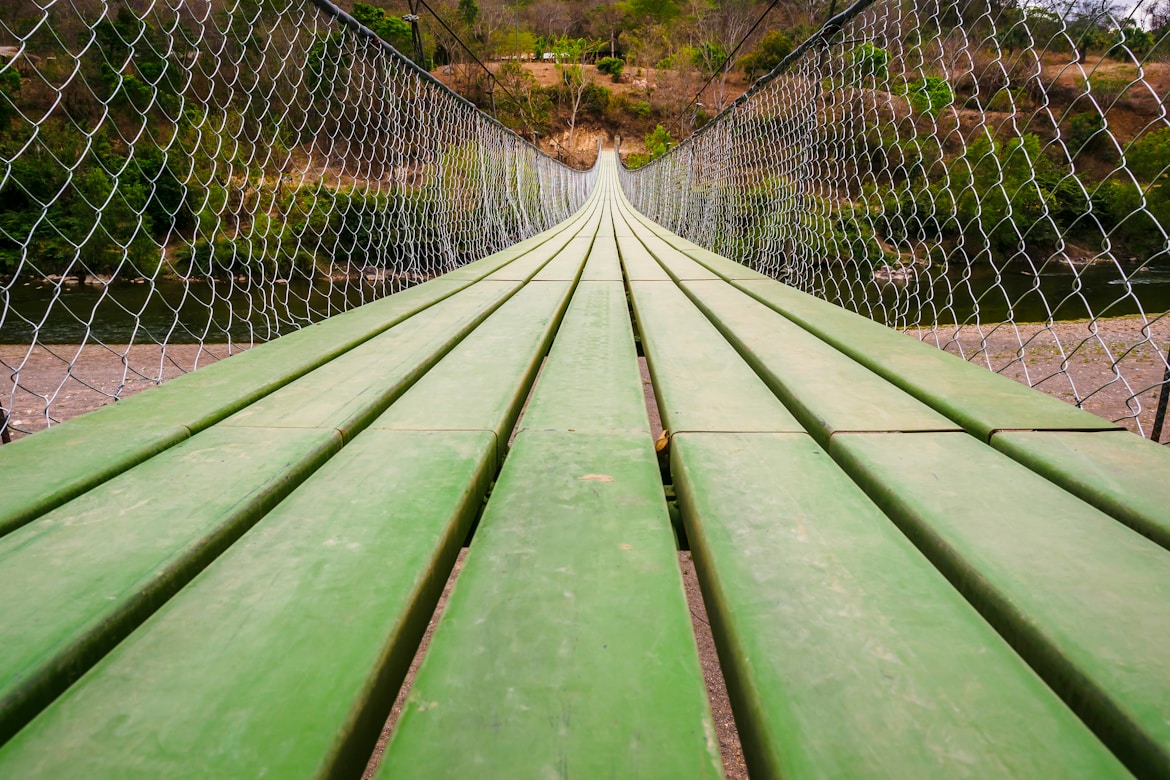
{"type": "Point", "coordinates": [175, 312]}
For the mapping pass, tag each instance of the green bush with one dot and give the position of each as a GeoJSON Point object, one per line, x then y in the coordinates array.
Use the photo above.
{"type": "Point", "coordinates": [658, 143]}
{"type": "Point", "coordinates": [1149, 156]}
{"type": "Point", "coordinates": [611, 66]}
{"type": "Point", "coordinates": [595, 99]}
{"type": "Point", "coordinates": [930, 95]}
{"type": "Point", "coordinates": [772, 48]}
{"type": "Point", "coordinates": [1082, 133]}
{"type": "Point", "coordinates": [870, 62]}
{"type": "Point", "coordinates": [640, 109]}
{"type": "Point", "coordinates": [9, 90]}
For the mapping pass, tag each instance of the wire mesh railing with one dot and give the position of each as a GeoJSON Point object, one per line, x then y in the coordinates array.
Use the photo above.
{"type": "Point", "coordinates": [182, 180]}
{"type": "Point", "coordinates": [989, 177]}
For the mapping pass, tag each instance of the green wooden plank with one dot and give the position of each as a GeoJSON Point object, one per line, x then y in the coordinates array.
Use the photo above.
{"type": "Point", "coordinates": [350, 391]}
{"type": "Point", "coordinates": [604, 264]}
{"type": "Point", "coordinates": [1121, 474]}
{"type": "Point", "coordinates": [138, 427]}
{"type": "Point", "coordinates": [722, 266]}
{"type": "Point", "coordinates": [283, 657]}
{"type": "Point", "coordinates": [566, 266]}
{"type": "Point", "coordinates": [90, 571]}
{"type": "Point", "coordinates": [565, 649]}
{"type": "Point", "coordinates": [638, 263]}
{"type": "Point", "coordinates": [481, 268]}
{"type": "Point", "coordinates": [1083, 598]}
{"type": "Point", "coordinates": [677, 265]}
{"type": "Point", "coordinates": [827, 391]}
{"type": "Point", "coordinates": [590, 381]}
{"type": "Point", "coordinates": [846, 653]}
{"type": "Point", "coordinates": [981, 401]}
{"type": "Point", "coordinates": [42, 472]}
{"type": "Point", "coordinates": [498, 361]}
{"type": "Point", "coordinates": [700, 381]}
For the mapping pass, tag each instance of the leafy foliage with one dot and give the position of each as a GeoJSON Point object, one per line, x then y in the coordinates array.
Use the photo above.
{"type": "Point", "coordinates": [385, 25]}
{"type": "Point", "coordinates": [930, 95]}
{"type": "Point", "coordinates": [658, 143]}
{"type": "Point", "coordinates": [772, 48]}
{"type": "Point", "coordinates": [870, 62]}
{"type": "Point", "coordinates": [611, 66]}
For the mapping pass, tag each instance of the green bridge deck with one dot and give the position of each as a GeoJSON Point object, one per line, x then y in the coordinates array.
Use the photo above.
{"type": "Point", "coordinates": [913, 567]}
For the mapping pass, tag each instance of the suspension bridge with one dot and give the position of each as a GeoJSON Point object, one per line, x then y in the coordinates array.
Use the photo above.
{"type": "Point", "coordinates": [913, 566]}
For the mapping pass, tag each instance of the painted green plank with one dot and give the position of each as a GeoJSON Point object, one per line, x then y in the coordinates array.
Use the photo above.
{"type": "Point", "coordinates": [1121, 474]}
{"type": "Point", "coordinates": [604, 264]}
{"type": "Point", "coordinates": [1083, 598]}
{"type": "Point", "coordinates": [90, 571]}
{"type": "Point", "coordinates": [42, 472]}
{"type": "Point", "coordinates": [700, 381]}
{"type": "Point", "coordinates": [283, 657]}
{"type": "Point", "coordinates": [590, 381]}
{"type": "Point", "coordinates": [981, 401]}
{"type": "Point", "coordinates": [677, 265]}
{"type": "Point", "coordinates": [846, 653]}
{"type": "Point", "coordinates": [725, 268]}
{"type": "Point", "coordinates": [481, 268]}
{"type": "Point", "coordinates": [353, 389]}
{"type": "Point", "coordinates": [566, 267]}
{"type": "Point", "coordinates": [826, 390]}
{"type": "Point", "coordinates": [565, 649]}
{"type": "Point", "coordinates": [497, 362]}
{"type": "Point", "coordinates": [638, 263]}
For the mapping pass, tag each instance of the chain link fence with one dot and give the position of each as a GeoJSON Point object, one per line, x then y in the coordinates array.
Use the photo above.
{"type": "Point", "coordinates": [180, 180]}
{"type": "Point", "coordinates": [991, 178]}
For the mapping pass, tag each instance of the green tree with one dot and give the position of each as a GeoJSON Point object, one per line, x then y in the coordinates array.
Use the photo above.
{"type": "Point", "coordinates": [468, 11]}
{"type": "Point", "coordinates": [658, 142]}
{"type": "Point", "coordinates": [771, 49]}
{"type": "Point", "coordinates": [570, 58]}
{"type": "Point", "coordinates": [385, 25]}
{"type": "Point", "coordinates": [655, 11]}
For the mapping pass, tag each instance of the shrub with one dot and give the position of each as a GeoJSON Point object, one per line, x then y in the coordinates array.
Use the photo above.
{"type": "Point", "coordinates": [611, 66]}
{"type": "Point", "coordinates": [870, 62]}
{"type": "Point", "coordinates": [767, 54]}
{"type": "Point", "coordinates": [595, 99]}
{"type": "Point", "coordinates": [930, 95]}
{"type": "Point", "coordinates": [1082, 133]}
{"type": "Point", "coordinates": [658, 143]}
{"type": "Point", "coordinates": [9, 89]}
{"type": "Point", "coordinates": [640, 109]}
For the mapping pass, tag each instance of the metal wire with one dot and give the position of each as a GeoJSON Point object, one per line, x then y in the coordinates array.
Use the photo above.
{"type": "Point", "coordinates": [181, 180]}
{"type": "Point", "coordinates": [991, 178]}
